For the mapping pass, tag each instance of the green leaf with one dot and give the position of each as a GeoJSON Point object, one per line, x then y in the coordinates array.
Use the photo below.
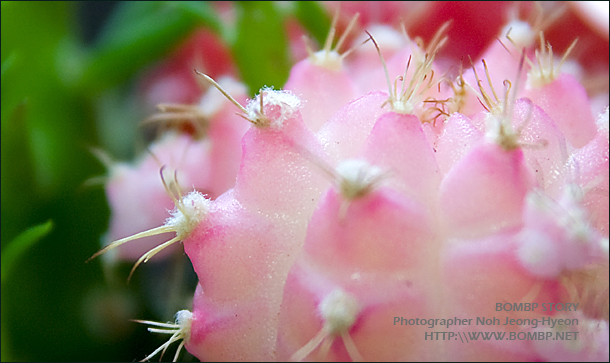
{"type": "Point", "coordinates": [260, 46]}
{"type": "Point", "coordinates": [17, 178]}
{"type": "Point", "coordinates": [202, 11]}
{"type": "Point", "coordinates": [31, 92]}
{"type": "Point", "coordinates": [21, 244]}
{"type": "Point", "coordinates": [142, 32]}
{"type": "Point", "coordinates": [314, 18]}
{"type": "Point", "coordinates": [8, 62]}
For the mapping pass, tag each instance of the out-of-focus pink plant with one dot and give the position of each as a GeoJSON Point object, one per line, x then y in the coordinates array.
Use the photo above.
{"type": "Point", "coordinates": [411, 185]}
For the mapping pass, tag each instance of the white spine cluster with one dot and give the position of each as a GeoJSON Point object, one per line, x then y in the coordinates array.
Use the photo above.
{"type": "Point", "coordinates": [357, 178]}
{"type": "Point", "coordinates": [278, 106]}
{"type": "Point", "coordinates": [180, 330]}
{"type": "Point", "coordinates": [339, 311]}
{"type": "Point", "coordinates": [191, 211]}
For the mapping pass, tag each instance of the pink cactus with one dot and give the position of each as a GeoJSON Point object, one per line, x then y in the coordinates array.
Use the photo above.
{"type": "Point", "coordinates": [365, 198]}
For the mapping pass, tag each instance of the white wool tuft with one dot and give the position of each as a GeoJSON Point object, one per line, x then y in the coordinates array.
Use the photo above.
{"type": "Point", "coordinates": [192, 210]}
{"type": "Point", "coordinates": [183, 319]}
{"type": "Point", "coordinates": [286, 101]}
{"type": "Point", "coordinates": [357, 177]}
{"type": "Point", "coordinates": [339, 311]}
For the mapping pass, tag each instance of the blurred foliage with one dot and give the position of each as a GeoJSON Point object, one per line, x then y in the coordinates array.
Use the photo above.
{"type": "Point", "coordinates": [263, 60]}
{"type": "Point", "coordinates": [140, 32]}
{"type": "Point", "coordinates": [11, 254]}
{"type": "Point", "coordinates": [56, 307]}
{"type": "Point", "coordinates": [19, 245]}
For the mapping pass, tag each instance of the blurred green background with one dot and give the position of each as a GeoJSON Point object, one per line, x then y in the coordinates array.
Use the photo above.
{"type": "Point", "coordinates": [68, 74]}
